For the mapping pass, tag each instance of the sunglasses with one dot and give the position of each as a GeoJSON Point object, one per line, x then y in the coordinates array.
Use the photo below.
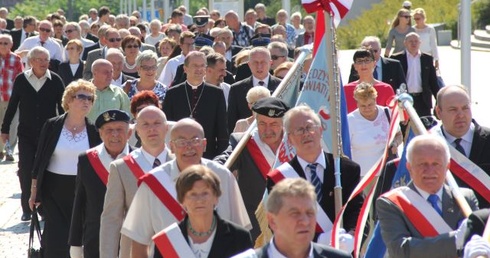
{"type": "Point", "coordinates": [4, 43]}
{"type": "Point", "coordinates": [406, 16]}
{"type": "Point", "coordinates": [68, 31]}
{"type": "Point", "coordinates": [84, 97]}
{"type": "Point", "coordinates": [363, 61]}
{"type": "Point", "coordinates": [114, 40]}
{"type": "Point", "coordinates": [132, 46]}
{"type": "Point", "coordinates": [274, 57]}
{"type": "Point", "coordinates": [44, 30]}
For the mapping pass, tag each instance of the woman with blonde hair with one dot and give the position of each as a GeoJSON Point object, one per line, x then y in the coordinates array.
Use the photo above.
{"type": "Point", "coordinates": [401, 26]}
{"type": "Point", "coordinates": [427, 35]}
{"type": "Point", "coordinates": [253, 95]}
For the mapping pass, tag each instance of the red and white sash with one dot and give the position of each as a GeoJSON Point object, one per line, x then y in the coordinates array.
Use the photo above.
{"type": "Point", "coordinates": [100, 170]}
{"type": "Point", "coordinates": [171, 243]}
{"type": "Point", "coordinates": [164, 188]}
{"type": "Point", "coordinates": [263, 157]}
{"type": "Point", "coordinates": [418, 211]}
{"type": "Point", "coordinates": [134, 166]}
{"type": "Point", "coordinates": [467, 171]}
{"type": "Point", "coordinates": [323, 222]}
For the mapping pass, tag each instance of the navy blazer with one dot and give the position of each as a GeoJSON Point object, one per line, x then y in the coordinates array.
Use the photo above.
{"type": "Point", "coordinates": [64, 71]}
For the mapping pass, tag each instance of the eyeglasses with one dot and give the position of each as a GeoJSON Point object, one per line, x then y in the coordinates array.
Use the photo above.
{"type": "Point", "coordinates": [181, 143]}
{"type": "Point", "coordinates": [363, 61]}
{"type": "Point", "coordinates": [68, 31]}
{"type": "Point", "coordinates": [4, 43]}
{"type": "Point", "coordinates": [40, 60]}
{"type": "Point", "coordinates": [303, 130]}
{"type": "Point", "coordinates": [132, 46]}
{"type": "Point", "coordinates": [114, 40]}
{"type": "Point", "coordinates": [274, 57]}
{"type": "Point", "coordinates": [44, 30]}
{"type": "Point", "coordinates": [83, 97]}
{"type": "Point", "coordinates": [148, 68]}
{"type": "Point", "coordinates": [71, 48]}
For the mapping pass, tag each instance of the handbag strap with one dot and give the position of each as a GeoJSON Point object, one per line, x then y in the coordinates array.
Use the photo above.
{"type": "Point", "coordinates": [35, 226]}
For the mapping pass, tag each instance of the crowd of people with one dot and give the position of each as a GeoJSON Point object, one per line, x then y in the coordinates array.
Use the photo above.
{"type": "Point", "coordinates": [124, 127]}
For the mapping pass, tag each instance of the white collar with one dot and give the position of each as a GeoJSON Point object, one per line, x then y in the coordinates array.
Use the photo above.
{"type": "Point", "coordinates": [467, 137]}
{"type": "Point", "coordinates": [30, 73]}
{"type": "Point", "coordinates": [425, 194]}
{"type": "Point", "coordinates": [162, 156]}
{"type": "Point", "coordinates": [320, 160]}
{"type": "Point", "coordinates": [255, 81]}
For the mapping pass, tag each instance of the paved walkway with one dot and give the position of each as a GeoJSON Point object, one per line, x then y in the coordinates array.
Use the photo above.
{"type": "Point", "coordinates": [14, 234]}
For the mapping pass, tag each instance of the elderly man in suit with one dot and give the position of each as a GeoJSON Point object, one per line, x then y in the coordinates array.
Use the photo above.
{"type": "Point", "coordinates": [387, 70]}
{"type": "Point", "coordinates": [423, 218]}
{"type": "Point", "coordinates": [28, 30]}
{"type": "Point", "coordinates": [260, 64]}
{"type": "Point", "coordinates": [463, 133]}
{"type": "Point", "coordinates": [90, 187]}
{"type": "Point", "coordinates": [151, 125]}
{"type": "Point", "coordinates": [420, 74]}
{"type": "Point", "coordinates": [304, 129]}
{"type": "Point", "coordinates": [290, 207]}
{"type": "Point", "coordinates": [112, 39]}
{"type": "Point", "coordinates": [116, 57]}
{"type": "Point", "coordinates": [308, 35]}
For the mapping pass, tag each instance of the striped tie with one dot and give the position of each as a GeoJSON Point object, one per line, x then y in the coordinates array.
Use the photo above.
{"type": "Point", "coordinates": [156, 163]}
{"type": "Point", "coordinates": [316, 181]}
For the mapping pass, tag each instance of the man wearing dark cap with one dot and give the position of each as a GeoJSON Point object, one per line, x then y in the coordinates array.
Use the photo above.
{"type": "Point", "coordinates": [255, 161]}
{"type": "Point", "coordinates": [93, 171]}
{"type": "Point", "coordinates": [201, 22]}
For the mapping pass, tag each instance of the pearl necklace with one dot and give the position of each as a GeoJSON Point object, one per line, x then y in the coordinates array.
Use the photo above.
{"type": "Point", "coordinates": [202, 234]}
{"type": "Point", "coordinates": [130, 67]}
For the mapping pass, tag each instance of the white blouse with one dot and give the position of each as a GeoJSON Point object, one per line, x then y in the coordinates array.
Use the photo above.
{"type": "Point", "coordinates": [202, 250]}
{"type": "Point", "coordinates": [65, 156]}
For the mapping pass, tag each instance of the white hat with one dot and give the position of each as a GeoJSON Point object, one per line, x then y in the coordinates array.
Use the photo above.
{"type": "Point", "coordinates": [407, 4]}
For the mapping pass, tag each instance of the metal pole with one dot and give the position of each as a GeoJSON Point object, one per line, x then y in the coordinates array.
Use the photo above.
{"type": "Point", "coordinates": [465, 22]}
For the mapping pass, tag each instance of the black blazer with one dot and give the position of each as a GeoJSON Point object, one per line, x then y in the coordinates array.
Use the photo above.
{"type": "Point", "coordinates": [476, 223]}
{"type": "Point", "coordinates": [349, 176]}
{"type": "Point", "coordinates": [181, 76]}
{"type": "Point", "coordinates": [430, 87]}
{"type": "Point", "coordinates": [88, 49]}
{"type": "Point", "coordinates": [230, 239]}
{"type": "Point", "coordinates": [47, 143]}
{"type": "Point", "coordinates": [16, 36]}
{"type": "Point", "coordinates": [392, 70]}
{"type": "Point", "coordinates": [92, 37]}
{"type": "Point", "coordinates": [237, 103]}
{"type": "Point", "coordinates": [319, 251]}
{"type": "Point", "coordinates": [64, 71]}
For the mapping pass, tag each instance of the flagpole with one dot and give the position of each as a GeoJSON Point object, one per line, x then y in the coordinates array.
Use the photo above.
{"type": "Point", "coordinates": [298, 64]}
{"type": "Point", "coordinates": [334, 95]}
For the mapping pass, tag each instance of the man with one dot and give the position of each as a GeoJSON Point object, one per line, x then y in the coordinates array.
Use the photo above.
{"type": "Point", "coordinates": [205, 103]}
{"type": "Point", "coordinates": [3, 27]}
{"type": "Point", "coordinates": [151, 126]}
{"type": "Point", "coordinates": [101, 41]}
{"type": "Point", "coordinates": [116, 57]}
{"type": "Point", "coordinates": [36, 94]}
{"type": "Point", "coordinates": [225, 35]}
{"type": "Point", "coordinates": [103, 15]}
{"type": "Point", "coordinates": [176, 17]}
{"type": "Point", "coordinates": [111, 39]}
{"type": "Point", "coordinates": [257, 158]}
{"type": "Point", "coordinates": [260, 64]}
{"type": "Point", "coordinates": [90, 188]}
{"type": "Point", "coordinates": [406, 214]}
{"type": "Point", "coordinates": [149, 215]}
{"type": "Point", "coordinates": [279, 53]}
{"type": "Point", "coordinates": [187, 17]}
{"type": "Point", "coordinates": [93, 17]}
{"type": "Point", "coordinates": [282, 18]}
{"type": "Point", "coordinates": [56, 53]}
{"type": "Point", "coordinates": [216, 73]}
{"type": "Point", "coordinates": [18, 23]}
{"type": "Point", "coordinates": [201, 22]}
{"type": "Point", "coordinates": [420, 74]}
{"type": "Point", "coordinates": [108, 96]}
{"type": "Point", "coordinates": [262, 16]}
{"type": "Point", "coordinates": [122, 21]}
{"type": "Point", "coordinates": [387, 70]}
{"type": "Point", "coordinates": [242, 33]}
{"type": "Point", "coordinates": [251, 18]}
{"type": "Point", "coordinates": [10, 67]}
{"type": "Point", "coordinates": [186, 43]}
{"type": "Point", "coordinates": [291, 209]}
{"type": "Point", "coordinates": [135, 31]}
{"type": "Point", "coordinates": [304, 130]}
{"type": "Point", "coordinates": [74, 31]}
{"type": "Point", "coordinates": [4, 12]}
{"type": "Point", "coordinates": [308, 35]}
{"type": "Point", "coordinates": [454, 110]}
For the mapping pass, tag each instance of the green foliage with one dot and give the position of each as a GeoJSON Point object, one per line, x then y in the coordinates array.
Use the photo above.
{"type": "Point", "coordinates": [481, 13]}
{"type": "Point", "coordinates": [377, 21]}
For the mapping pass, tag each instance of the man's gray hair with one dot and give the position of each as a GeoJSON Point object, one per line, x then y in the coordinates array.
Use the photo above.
{"type": "Point", "coordinates": [36, 51]}
{"type": "Point", "coordinates": [302, 108]}
{"type": "Point", "coordinates": [436, 140]}
{"type": "Point", "coordinates": [290, 187]}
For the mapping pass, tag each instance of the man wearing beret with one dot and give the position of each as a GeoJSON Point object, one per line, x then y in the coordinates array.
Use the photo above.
{"type": "Point", "coordinates": [90, 188]}
{"type": "Point", "coordinates": [255, 161]}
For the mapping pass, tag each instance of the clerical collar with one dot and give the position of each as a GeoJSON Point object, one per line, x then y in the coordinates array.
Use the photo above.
{"type": "Point", "coordinates": [194, 87]}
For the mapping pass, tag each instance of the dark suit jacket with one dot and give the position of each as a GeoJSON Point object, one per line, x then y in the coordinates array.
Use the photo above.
{"type": "Point", "coordinates": [349, 176]}
{"type": "Point", "coordinates": [92, 37]}
{"type": "Point", "coordinates": [16, 36]}
{"type": "Point", "coordinates": [430, 87]}
{"type": "Point", "coordinates": [230, 239]}
{"type": "Point", "coordinates": [476, 223]}
{"type": "Point", "coordinates": [88, 49]}
{"type": "Point", "coordinates": [237, 103]}
{"type": "Point", "coordinates": [181, 76]}
{"type": "Point", "coordinates": [10, 24]}
{"type": "Point", "coordinates": [64, 71]}
{"type": "Point", "coordinates": [92, 56]}
{"type": "Point", "coordinates": [47, 143]}
{"type": "Point", "coordinates": [319, 251]}
{"type": "Point", "coordinates": [392, 70]}
{"type": "Point", "coordinates": [210, 112]}
{"type": "Point", "coordinates": [242, 72]}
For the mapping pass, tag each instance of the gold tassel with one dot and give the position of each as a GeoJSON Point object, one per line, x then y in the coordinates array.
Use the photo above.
{"type": "Point", "coordinates": [266, 234]}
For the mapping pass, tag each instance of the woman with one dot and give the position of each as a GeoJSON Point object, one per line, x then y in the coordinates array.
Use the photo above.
{"type": "Point", "coordinates": [401, 26]}
{"type": "Point", "coordinates": [220, 23]}
{"type": "Point", "coordinates": [282, 69]}
{"type": "Point", "coordinates": [146, 65]}
{"type": "Point", "coordinates": [155, 33]}
{"type": "Point", "coordinates": [296, 22]}
{"type": "Point", "coordinates": [427, 35]}
{"type": "Point", "coordinates": [58, 32]}
{"type": "Point", "coordinates": [253, 95]}
{"type": "Point", "coordinates": [166, 46]}
{"type": "Point", "coordinates": [369, 128]}
{"type": "Point", "coordinates": [198, 190]}
{"type": "Point", "coordinates": [131, 47]}
{"type": "Point", "coordinates": [72, 69]}
{"type": "Point", "coordinates": [62, 139]}
{"type": "Point", "coordinates": [365, 66]}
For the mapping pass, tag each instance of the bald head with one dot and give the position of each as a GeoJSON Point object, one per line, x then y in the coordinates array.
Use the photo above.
{"type": "Point", "coordinates": [185, 124]}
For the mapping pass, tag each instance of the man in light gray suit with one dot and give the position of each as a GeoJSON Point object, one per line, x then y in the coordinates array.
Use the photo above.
{"type": "Point", "coordinates": [151, 125]}
{"type": "Point", "coordinates": [112, 40]}
{"type": "Point", "coordinates": [406, 214]}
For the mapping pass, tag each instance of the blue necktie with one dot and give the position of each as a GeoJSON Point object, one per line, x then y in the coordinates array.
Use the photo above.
{"type": "Point", "coordinates": [459, 147]}
{"type": "Point", "coordinates": [433, 199]}
{"type": "Point", "coordinates": [375, 72]}
{"type": "Point", "coordinates": [316, 181]}
{"type": "Point", "coordinates": [156, 163]}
